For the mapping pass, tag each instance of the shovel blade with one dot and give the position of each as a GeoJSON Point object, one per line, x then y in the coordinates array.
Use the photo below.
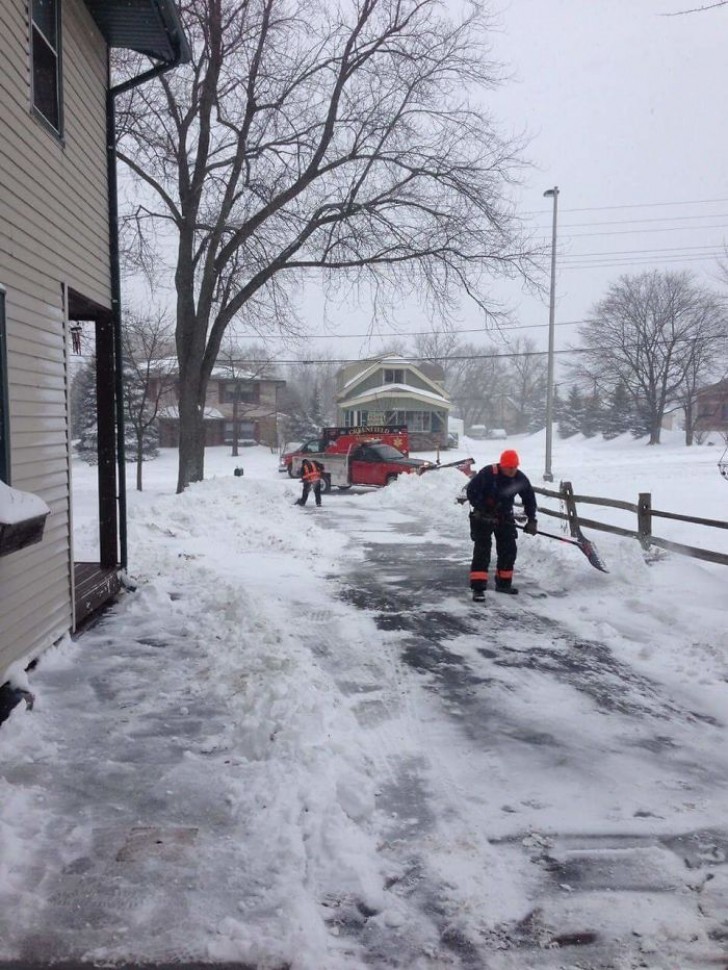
{"type": "Point", "coordinates": [590, 551]}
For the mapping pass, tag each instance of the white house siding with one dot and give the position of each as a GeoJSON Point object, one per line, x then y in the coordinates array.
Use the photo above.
{"type": "Point", "coordinates": [53, 232]}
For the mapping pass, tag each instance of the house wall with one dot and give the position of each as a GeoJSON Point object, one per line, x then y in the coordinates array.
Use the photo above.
{"type": "Point", "coordinates": [712, 408]}
{"type": "Point", "coordinates": [53, 232]}
{"type": "Point", "coordinates": [261, 414]}
{"type": "Point", "coordinates": [377, 380]}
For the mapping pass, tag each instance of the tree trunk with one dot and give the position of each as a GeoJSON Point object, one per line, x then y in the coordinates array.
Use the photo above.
{"type": "Point", "coordinates": [191, 435]}
{"type": "Point", "coordinates": [235, 424]}
{"type": "Point", "coordinates": [689, 421]}
{"type": "Point", "coordinates": [139, 461]}
{"type": "Point", "coordinates": [655, 429]}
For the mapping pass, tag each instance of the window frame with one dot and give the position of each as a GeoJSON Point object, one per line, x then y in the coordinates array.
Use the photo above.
{"type": "Point", "coordinates": [54, 48]}
{"type": "Point", "coordinates": [245, 391]}
{"type": "Point", "coordinates": [4, 396]}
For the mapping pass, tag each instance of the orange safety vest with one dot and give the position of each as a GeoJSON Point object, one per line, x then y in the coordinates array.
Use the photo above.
{"type": "Point", "coordinates": [313, 474]}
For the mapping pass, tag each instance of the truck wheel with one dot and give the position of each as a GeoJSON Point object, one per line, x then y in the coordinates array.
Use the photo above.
{"type": "Point", "coordinates": [290, 472]}
{"type": "Point", "coordinates": [327, 483]}
{"type": "Point", "coordinates": [391, 478]}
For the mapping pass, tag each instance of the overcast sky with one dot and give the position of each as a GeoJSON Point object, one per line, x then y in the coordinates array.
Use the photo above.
{"type": "Point", "coordinates": [624, 108]}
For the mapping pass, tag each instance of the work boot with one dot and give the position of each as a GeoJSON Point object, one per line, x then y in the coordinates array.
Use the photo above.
{"type": "Point", "coordinates": [478, 596]}
{"type": "Point", "coordinates": [506, 586]}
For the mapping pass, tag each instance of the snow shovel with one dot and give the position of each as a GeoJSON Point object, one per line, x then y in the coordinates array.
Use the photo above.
{"type": "Point", "coordinates": [464, 464]}
{"type": "Point", "coordinates": [587, 547]}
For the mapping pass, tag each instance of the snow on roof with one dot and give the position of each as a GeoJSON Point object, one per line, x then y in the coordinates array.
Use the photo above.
{"type": "Point", "coordinates": [388, 390]}
{"type": "Point", "coordinates": [17, 506]}
{"type": "Point", "coordinates": [227, 372]}
{"type": "Point", "coordinates": [172, 412]}
{"type": "Point", "coordinates": [379, 363]}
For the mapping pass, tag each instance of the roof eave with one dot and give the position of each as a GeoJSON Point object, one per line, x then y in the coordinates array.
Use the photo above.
{"type": "Point", "coordinates": [150, 27]}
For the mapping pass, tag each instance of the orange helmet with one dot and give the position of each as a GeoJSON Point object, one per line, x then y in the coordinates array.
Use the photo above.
{"type": "Point", "coordinates": [509, 459]}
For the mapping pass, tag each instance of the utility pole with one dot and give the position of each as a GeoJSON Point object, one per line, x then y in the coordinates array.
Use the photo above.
{"type": "Point", "coordinates": [547, 475]}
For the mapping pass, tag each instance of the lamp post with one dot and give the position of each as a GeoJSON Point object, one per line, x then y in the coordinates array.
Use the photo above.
{"type": "Point", "coordinates": [547, 475]}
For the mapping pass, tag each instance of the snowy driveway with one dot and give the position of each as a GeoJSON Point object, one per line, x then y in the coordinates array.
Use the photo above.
{"type": "Point", "coordinates": [299, 744]}
{"type": "Point", "coordinates": [528, 762]}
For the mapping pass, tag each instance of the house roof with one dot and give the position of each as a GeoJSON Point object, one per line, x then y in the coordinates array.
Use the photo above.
{"type": "Point", "coordinates": [380, 363]}
{"type": "Point", "coordinates": [722, 385]}
{"type": "Point", "coordinates": [384, 391]}
{"type": "Point", "coordinates": [225, 372]}
{"type": "Point", "coordinates": [151, 27]}
{"type": "Point", "coordinates": [172, 412]}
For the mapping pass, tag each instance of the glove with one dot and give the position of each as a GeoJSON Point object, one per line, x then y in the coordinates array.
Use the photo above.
{"type": "Point", "coordinates": [531, 527]}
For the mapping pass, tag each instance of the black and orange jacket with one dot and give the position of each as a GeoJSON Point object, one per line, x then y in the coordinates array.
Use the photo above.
{"type": "Point", "coordinates": [492, 492]}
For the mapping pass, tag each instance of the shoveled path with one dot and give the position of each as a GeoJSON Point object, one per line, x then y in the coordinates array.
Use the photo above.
{"type": "Point", "coordinates": [596, 896]}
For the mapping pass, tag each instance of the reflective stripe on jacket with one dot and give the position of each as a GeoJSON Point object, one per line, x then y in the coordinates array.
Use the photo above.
{"type": "Point", "coordinates": [310, 470]}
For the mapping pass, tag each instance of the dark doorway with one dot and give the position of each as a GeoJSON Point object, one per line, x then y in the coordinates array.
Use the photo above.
{"type": "Point", "coordinates": [96, 566]}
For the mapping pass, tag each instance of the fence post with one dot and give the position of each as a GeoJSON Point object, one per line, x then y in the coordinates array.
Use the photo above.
{"type": "Point", "coordinates": [644, 519]}
{"type": "Point", "coordinates": [567, 497]}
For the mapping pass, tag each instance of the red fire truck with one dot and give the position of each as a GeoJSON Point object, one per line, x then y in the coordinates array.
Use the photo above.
{"type": "Point", "coordinates": [363, 456]}
{"type": "Point", "coordinates": [338, 441]}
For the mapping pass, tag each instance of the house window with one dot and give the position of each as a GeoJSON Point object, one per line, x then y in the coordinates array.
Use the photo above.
{"type": "Point", "coordinates": [4, 423]}
{"type": "Point", "coordinates": [394, 377]}
{"type": "Point", "coordinates": [45, 46]}
{"type": "Point", "coordinates": [245, 392]}
{"type": "Point", "coordinates": [415, 420]}
{"type": "Point", "coordinates": [246, 431]}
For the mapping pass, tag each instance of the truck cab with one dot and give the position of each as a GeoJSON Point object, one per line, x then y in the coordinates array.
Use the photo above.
{"type": "Point", "coordinates": [377, 463]}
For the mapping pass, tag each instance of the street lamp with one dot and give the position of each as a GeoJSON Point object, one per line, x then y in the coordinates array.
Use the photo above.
{"type": "Point", "coordinates": [547, 476]}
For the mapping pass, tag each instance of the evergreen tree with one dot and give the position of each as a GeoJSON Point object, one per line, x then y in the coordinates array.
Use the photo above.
{"type": "Point", "coordinates": [591, 417]}
{"type": "Point", "coordinates": [617, 415]}
{"type": "Point", "coordinates": [572, 414]}
{"type": "Point", "coordinates": [83, 412]}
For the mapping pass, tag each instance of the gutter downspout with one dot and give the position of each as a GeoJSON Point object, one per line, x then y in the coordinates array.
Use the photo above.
{"type": "Point", "coordinates": [115, 267]}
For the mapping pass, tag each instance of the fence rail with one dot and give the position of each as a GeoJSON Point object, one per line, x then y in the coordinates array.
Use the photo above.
{"type": "Point", "coordinates": [645, 514]}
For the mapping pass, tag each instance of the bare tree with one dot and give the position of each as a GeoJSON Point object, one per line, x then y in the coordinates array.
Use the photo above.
{"type": "Point", "coordinates": [149, 373]}
{"type": "Point", "coordinates": [476, 382]}
{"type": "Point", "coordinates": [243, 367]}
{"type": "Point", "coordinates": [526, 381]}
{"type": "Point", "coordinates": [310, 135]}
{"type": "Point", "coordinates": [309, 398]}
{"type": "Point", "coordinates": [657, 333]}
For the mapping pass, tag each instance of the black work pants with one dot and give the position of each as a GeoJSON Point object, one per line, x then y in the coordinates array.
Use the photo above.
{"type": "Point", "coordinates": [482, 532]}
{"type": "Point", "coordinates": [307, 486]}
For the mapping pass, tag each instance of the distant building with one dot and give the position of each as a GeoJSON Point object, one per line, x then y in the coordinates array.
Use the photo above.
{"type": "Point", "coordinates": [238, 405]}
{"type": "Point", "coordinates": [394, 391]}
{"type": "Point", "coordinates": [712, 408]}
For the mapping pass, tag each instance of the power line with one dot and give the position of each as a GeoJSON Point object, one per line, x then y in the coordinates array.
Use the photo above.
{"type": "Point", "coordinates": [420, 359]}
{"type": "Point", "coordinates": [626, 222]}
{"type": "Point", "coordinates": [635, 232]}
{"type": "Point", "coordinates": [645, 252]}
{"type": "Point", "coordinates": [642, 205]}
{"type": "Point", "coordinates": [419, 333]}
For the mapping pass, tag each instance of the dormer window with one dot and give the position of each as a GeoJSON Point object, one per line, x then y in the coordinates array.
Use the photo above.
{"type": "Point", "coordinates": [45, 44]}
{"type": "Point", "coordinates": [393, 376]}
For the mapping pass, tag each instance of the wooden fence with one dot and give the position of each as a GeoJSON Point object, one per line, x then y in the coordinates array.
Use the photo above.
{"type": "Point", "coordinates": [645, 515]}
